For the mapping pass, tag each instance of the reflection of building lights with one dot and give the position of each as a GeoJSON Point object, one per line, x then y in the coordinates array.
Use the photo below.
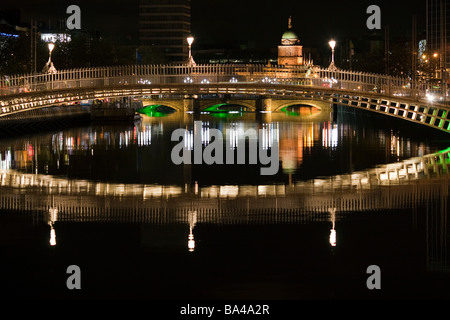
{"type": "Point", "coordinates": [189, 140]}
{"type": "Point", "coordinates": [206, 138]}
{"type": "Point", "coordinates": [6, 163]}
{"type": "Point", "coordinates": [330, 136]}
{"type": "Point", "coordinates": [270, 135]}
{"type": "Point", "coordinates": [233, 136]}
{"type": "Point", "coordinates": [144, 138]}
{"type": "Point", "coordinates": [396, 145]}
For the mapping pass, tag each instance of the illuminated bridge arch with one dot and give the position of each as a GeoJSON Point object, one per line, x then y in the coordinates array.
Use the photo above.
{"type": "Point", "coordinates": [233, 106]}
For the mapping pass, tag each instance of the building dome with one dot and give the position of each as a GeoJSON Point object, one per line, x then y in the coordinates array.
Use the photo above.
{"type": "Point", "coordinates": [289, 37]}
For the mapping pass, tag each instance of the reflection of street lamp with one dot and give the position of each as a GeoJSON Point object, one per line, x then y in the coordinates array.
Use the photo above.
{"type": "Point", "coordinates": [190, 40]}
{"type": "Point", "coordinates": [192, 217]}
{"type": "Point", "coordinates": [332, 238]}
{"type": "Point", "coordinates": [52, 218]}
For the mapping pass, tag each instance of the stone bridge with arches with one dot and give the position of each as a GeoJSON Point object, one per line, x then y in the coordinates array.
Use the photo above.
{"type": "Point", "coordinates": [255, 87]}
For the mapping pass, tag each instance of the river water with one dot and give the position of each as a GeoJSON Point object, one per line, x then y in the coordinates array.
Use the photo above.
{"type": "Point", "coordinates": [259, 258]}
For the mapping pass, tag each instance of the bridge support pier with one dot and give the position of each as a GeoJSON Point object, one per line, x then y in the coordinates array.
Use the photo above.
{"type": "Point", "coordinates": [191, 104]}
{"type": "Point", "coordinates": [263, 104]}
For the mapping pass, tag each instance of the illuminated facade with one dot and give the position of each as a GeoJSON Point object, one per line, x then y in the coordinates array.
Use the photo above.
{"type": "Point", "coordinates": [165, 25]}
{"type": "Point", "coordinates": [290, 51]}
{"type": "Point", "coordinates": [54, 37]}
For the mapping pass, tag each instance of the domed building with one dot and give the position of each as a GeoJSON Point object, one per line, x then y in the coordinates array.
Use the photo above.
{"type": "Point", "coordinates": [290, 51]}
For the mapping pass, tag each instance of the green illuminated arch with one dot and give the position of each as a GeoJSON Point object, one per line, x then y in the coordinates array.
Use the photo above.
{"type": "Point", "coordinates": [227, 108]}
{"type": "Point", "coordinates": [156, 110]}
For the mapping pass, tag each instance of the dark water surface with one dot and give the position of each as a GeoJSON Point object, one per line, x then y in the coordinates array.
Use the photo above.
{"type": "Point", "coordinates": [247, 259]}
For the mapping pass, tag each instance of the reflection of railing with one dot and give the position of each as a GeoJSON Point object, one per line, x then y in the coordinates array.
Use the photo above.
{"type": "Point", "coordinates": [177, 74]}
{"type": "Point", "coordinates": [291, 208]}
{"type": "Point", "coordinates": [397, 173]}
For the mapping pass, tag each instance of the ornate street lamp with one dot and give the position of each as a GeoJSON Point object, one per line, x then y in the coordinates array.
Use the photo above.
{"type": "Point", "coordinates": [332, 45]}
{"type": "Point", "coordinates": [190, 40]}
{"type": "Point", "coordinates": [49, 67]}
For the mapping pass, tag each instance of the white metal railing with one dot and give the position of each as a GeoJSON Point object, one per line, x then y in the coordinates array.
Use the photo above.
{"type": "Point", "coordinates": [211, 73]}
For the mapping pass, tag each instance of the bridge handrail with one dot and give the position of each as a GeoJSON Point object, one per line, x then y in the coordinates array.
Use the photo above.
{"type": "Point", "coordinates": [85, 77]}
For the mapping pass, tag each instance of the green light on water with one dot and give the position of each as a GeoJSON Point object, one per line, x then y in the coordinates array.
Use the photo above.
{"type": "Point", "coordinates": [215, 108]}
{"type": "Point", "coordinates": [290, 113]}
{"type": "Point", "coordinates": [217, 112]}
{"type": "Point", "coordinates": [156, 111]}
{"type": "Point", "coordinates": [224, 115]}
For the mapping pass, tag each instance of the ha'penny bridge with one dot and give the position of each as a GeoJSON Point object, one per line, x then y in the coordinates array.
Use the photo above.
{"type": "Point", "coordinates": [269, 87]}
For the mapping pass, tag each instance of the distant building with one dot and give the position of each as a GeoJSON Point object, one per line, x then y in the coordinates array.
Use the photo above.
{"type": "Point", "coordinates": [290, 50]}
{"type": "Point", "coordinates": [438, 31]}
{"type": "Point", "coordinates": [56, 37]}
{"type": "Point", "coordinates": [165, 25]}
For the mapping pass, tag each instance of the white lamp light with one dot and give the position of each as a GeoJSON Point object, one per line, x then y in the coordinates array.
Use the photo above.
{"type": "Point", "coordinates": [51, 46]}
{"type": "Point", "coordinates": [190, 40]}
{"type": "Point", "coordinates": [332, 44]}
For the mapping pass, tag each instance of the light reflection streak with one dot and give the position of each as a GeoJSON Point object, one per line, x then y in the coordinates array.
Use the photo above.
{"type": "Point", "coordinates": [332, 238]}
{"type": "Point", "coordinates": [330, 135]}
{"type": "Point", "coordinates": [192, 218]}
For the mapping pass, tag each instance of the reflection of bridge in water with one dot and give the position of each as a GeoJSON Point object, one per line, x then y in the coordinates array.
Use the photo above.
{"type": "Point", "coordinates": [414, 183]}
{"type": "Point", "coordinates": [389, 186]}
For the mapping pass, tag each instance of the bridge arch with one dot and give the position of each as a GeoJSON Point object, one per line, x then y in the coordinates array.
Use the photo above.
{"type": "Point", "coordinates": [222, 105]}
{"type": "Point", "coordinates": [177, 105]}
{"type": "Point", "coordinates": [279, 105]}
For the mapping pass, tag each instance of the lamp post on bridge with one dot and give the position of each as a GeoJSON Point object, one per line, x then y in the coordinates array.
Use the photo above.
{"type": "Point", "coordinates": [190, 40]}
{"type": "Point", "coordinates": [191, 61]}
{"type": "Point", "coordinates": [49, 67]}
{"type": "Point", "coordinates": [332, 45]}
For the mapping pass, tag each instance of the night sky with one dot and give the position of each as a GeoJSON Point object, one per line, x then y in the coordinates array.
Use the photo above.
{"type": "Point", "coordinates": [260, 22]}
